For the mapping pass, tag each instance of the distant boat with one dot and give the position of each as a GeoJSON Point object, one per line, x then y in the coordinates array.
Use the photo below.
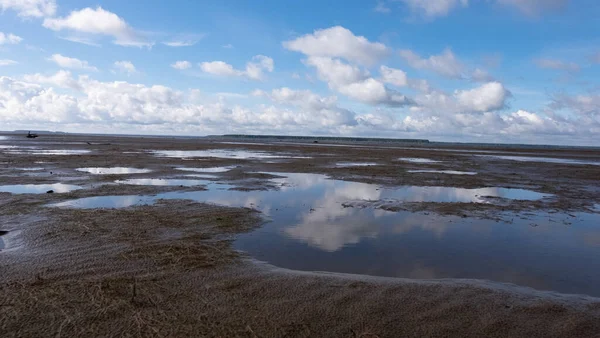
{"type": "Point", "coordinates": [30, 135]}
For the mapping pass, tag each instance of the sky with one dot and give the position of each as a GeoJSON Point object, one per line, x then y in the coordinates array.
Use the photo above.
{"type": "Point", "coordinates": [508, 71]}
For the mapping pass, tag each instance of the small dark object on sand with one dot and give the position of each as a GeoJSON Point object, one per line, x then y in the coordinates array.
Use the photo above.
{"type": "Point", "coordinates": [50, 192]}
{"type": "Point", "coordinates": [30, 135]}
{"type": "Point", "coordinates": [2, 233]}
{"type": "Point", "coordinates": [315, 141]}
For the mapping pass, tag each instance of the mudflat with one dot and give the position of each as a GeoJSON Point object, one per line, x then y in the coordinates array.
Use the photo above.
{"type": "Point", "coordinates": [166, 254]}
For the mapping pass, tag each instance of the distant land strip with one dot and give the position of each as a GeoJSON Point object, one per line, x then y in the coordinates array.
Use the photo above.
{"type": "Point", "coordinates": [326, 138]}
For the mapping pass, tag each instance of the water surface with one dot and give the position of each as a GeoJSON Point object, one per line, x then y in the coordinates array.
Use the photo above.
{"type": "Point", "coordinates": [222, 153]}
{"type": "Point", "coordinates": [38, 188]}
{"type": "Point", "coordinates": [309, 228]}
{"type": "Point", "coordinates": [207, 170]}
{"type": "Point", "coordinates": [448, 172]}
{"type": "Point", "coordinates": [114, 171]}
{"type": "Point", "coordinates": [542, 159]}
{"type": "Point", "coordinates": [417, 160]}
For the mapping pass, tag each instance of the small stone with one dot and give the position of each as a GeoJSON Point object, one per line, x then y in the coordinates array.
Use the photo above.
{"type": "Point", "coordinates": [50, 192]}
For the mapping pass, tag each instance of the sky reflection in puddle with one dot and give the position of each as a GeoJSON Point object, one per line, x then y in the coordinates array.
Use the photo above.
{"type": "Point", "coordinates": [354, 164]}
{"type": "Point", "coordinates": [208, 170]}
{"type": "Point", "coordinates": [417, 160]}
{"type": "Point", "coordinates": [114, 171]}
{"type": "Point", "coordinates": [311, 230]}
{"type": "Point", "coordinates": [44, 152]}
{"type": "Point", "coordinates": [448, 172]}
{"type": "Point", "coordinates": [38, 188]}
{"type": "Point", "coordinates": [163, 182]}
{"type": "Point", "coordinates": [222, 153]}
{"type": "Point", "coordinates": [541, 159]}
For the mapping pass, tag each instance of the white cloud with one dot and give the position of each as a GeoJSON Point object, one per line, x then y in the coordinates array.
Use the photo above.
{"type": "Point", "coordinates": [182, 65]}
{"type": "Point", "coordinates": [446, 64]}
{"type": "Point", "coordinates": [7, 62]}
{"type": "Point", "coordinates": [30, 8]}
{"type": "Point", "coordinates": [126, 107]}
{"type": "Point", "coordinates": [534, 7]}
{"type": "Point", "coordinates": [98, 22]}
{"type": "Point", "coordinates": [125, 67]}
{"type": "Point", "coordinates": [355, 82]}
{"type": "Point", "coordinates": [254, 69]}
{"type": "Point", "coordinates": [338, 42]}
{"type": "Point", "coordinates": [433, 8]}
{"type": "Point", "coordinates": [9, 39]}
{"type": "Point", "coordinates": [393, 76]}
{"type": "Point", "coordinates": [488, 97]}
{"type": "Point", "coordinates": [62, 79]}
{"type": "Point", "coordinates": [587, 105]}
{"type": "Point", "coordinates": [557, 65]}
{"type": "Point", "coordinates": [71, 63]}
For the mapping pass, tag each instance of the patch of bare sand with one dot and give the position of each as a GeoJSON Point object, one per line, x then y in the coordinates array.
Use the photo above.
{"type": "Point", "coordinates": [169, 271]}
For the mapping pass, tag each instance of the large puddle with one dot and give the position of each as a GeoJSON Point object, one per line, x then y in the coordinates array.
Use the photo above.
{"type": "Point", "coordinates": [222, 153]}
{"type": "Point", "coordinates": [207, 170]}
{"type": "Point", "coordinates": [114, 171]}
{"type": "Point", "coordinates": [163, 182]}
{"type": "Point", "coordinates": [417, 160]}
{"type": "Point", "coordinates": [542, 159]}
{"type": "Point", "coordinates": [310, 229]}
{"type": "Point", "coordinates": [448, 172]}
{"type": "Point", "coordinates": [38, 188]}
{"type": "Point", "coordinates": [45, 152]}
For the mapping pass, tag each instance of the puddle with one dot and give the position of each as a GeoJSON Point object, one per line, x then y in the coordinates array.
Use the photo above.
{"type": "Point", "coordinates": [354, 164]}
{"type": "Point", "coordinates": [417, 160]}
{"type": "Point", "coordinates": [43, 152]}
{"type": "Point", "coordinates": [448, 172]}
{"type": "Point", "coordinates": [308, 220]}
{"type": "Point", "coordinates": [220, 153]}
{"type": "Point", "coordinates": [3, 138]}
{"type": "Point", "coordinates": [163, 182]}
{"type": "Point", "coordinates": [542, 159]}
{"type": "Point", "coordinates": [114, 171]}
{"type": "Point", "coordinates": [38, 188]}
{"type": "Point", "coordinates": [208, 170]}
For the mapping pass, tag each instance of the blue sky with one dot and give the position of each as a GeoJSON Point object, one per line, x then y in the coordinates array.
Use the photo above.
{"type": "Point", "coordinates": [457, 70]}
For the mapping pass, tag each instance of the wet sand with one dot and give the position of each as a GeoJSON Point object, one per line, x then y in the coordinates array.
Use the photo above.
{"type": "Point", "coordinates": [169, 269]}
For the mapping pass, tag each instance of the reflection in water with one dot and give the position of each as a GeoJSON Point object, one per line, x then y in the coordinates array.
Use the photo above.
{"type": "Point", "coordinates": [354, 164]}
{"type": "Point", "coordinates": [38, 188]}
{"type": "Point", "coordinates": [417, 160]}
{"type": "Point", "coordinates": [162, 182]}
{"type": "Point", "coordinates": [208, 170]}
{"type": "Point", "coordinates": [542, 159]}
{"type": "Point", "coordinates": [114, 171]}
{"type": "Point", "coordinates": [49, 152]}
{"type": "Point", "coordinates": [448, 172]}
{"type": "Point", "coordinates": [310, 229]}
{"type": "Point", "coordinates": [221, 153]}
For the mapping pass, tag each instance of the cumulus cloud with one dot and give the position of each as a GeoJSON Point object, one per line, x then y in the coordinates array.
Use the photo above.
{"type": "Point", "coordinates": [446, 64]}
{"type": "Point", "coordinates": [125, 67]}
{"type": "Point", "coordinates": [7, 62]}
{"type": "Point", "coordinates": [254, 69]}
{"type": "Point", "coordinates": [182, 65]}
{"type": "Point", "coordinates": [393, 76]}
{"type": "Point", "coordinates": [434, 8]}
{"type": "Point", "coordinates": [126, 107]}
{"type": "Point", "coordinates": [557, 65]}
{"type": "Point", "coordinates": [338, 42]}
{"type": "Point", "coordinates": [71, 63]}
{"type": "Point", "coordinates": [98, 21]}
{"type": "Point", "coordinates": [587, 105]}
{"type": "Point", "coordinates": [30, 8]}
{"type": "Point", "coordinates": [9, 39]}
{"type": "Point", "coordinates": [488, 97]}
{"type": "Point", "coordinates": [355, 83]}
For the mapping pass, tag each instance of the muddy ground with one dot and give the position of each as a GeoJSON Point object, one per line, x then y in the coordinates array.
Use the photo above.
{"type": "Point", "coordinates": [169, 270]}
